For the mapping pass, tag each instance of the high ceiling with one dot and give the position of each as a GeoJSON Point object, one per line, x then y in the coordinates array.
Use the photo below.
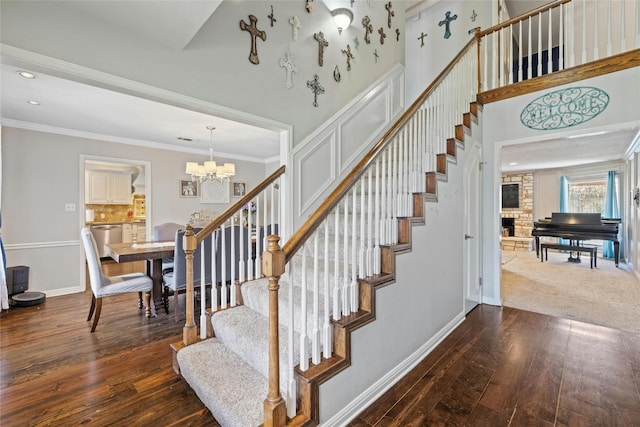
{"type": "Point", "coordinates": [83, 110]}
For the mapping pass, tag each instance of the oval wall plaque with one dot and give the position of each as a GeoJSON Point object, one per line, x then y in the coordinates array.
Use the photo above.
{"type": "Point", "coordinates": [564, 108]}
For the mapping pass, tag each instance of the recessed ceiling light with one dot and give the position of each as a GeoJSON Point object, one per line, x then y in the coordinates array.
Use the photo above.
{"type": "Point", "coordinates": [26, 74]}
{"type": "Point", "coordinates": [513, 163]}
{"type": "Point", "coordinates": [33, 102]}
{"type": "Point", "coordinates": [182, 138]}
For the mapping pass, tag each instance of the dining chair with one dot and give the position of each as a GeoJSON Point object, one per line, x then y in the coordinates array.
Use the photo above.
{"type": "Point", "coordinates": [176, 281]}
{"type": "Point", "coordinates": [104, 286]}
{"type": "Point", "coordinates": [165, 232]}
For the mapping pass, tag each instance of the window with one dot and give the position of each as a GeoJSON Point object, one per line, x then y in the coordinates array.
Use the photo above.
{"type": "Point", "coordinates": [587, 196]}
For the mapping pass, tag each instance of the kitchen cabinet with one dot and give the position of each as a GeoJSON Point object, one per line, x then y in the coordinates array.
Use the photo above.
{"type": "Point", "coordinates": [107, 188]}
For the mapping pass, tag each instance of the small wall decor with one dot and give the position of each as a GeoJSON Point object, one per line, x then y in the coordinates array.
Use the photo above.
{"type": "Point", "coordinates": [446, 21]}
{"type": "Point", "coordinates": [356, 42]}
{"type": "Point", "coordinates": [390, 13]}
{"type": "Point", "coordinates": [474, 15]}
{"type": "Point", "coordinates": [239, 189]}
{"type": "Point", "coordinates": [289, 67]}
{"type": "Point", "coordinates": [382, 35]}
{"type": "Point", "coordinates": [188, 188]}
{"type": "Point", "coordinates": [368, 29]}
{"type": "Point", "coordinates": [316, 88]}
{"type": "Point", "coordinates": [352, 2]}
{"type": "Point", "coordinates": [295, 26]}
{"type": "Point", "coordinates": [349, 56]}
{"type": "Point", "coordinates": [255, 33]}
{"type": "Point", "coordinates": [309, 6]}
{"type": "Point", "coordinates": [322, 43]}
{"type": "Point", "coordinates": [214, 191]}
{"type": "Point", "coordinates": [473, 30]}
{"type": "Point", "coordinates": [271, 17]}
{"type": "Point", "coordinates": [636, 197]}
{"type": "Point", "coordinates": [421, 38]}
{"type": "Point", "coordinates": [375, 53]}
{"type": "Point", "coordinates": [397, 34]}
{"type": "Point", "coordinates": [336, 74]}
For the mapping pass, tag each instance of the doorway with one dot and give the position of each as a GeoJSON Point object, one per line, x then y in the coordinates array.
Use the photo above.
{"type": "Point", "coordinates": [472, 257]}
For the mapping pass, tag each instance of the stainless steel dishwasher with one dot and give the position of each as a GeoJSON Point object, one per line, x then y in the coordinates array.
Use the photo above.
{"type": "Point", "coordinates": [106, 234]}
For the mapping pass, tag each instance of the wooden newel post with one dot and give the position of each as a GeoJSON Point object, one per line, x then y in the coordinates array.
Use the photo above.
{"type": "Point", "coordinates": [275, 411]}
{"type": "Point", "coordinates": [190, 244]}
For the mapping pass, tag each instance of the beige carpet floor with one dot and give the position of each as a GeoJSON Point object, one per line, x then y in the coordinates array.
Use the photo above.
{"type": "Point", "coordinates": [606, 295]}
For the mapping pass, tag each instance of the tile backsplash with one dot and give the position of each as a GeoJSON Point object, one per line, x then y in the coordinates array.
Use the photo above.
{"type": "Point", "coordinates": [112, 213]}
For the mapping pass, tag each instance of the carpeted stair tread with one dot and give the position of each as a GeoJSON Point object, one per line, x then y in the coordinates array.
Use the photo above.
{"type": "Point", "coordinates": [246, 333]}
{"type": "Point", "coordinates": [231, 389]}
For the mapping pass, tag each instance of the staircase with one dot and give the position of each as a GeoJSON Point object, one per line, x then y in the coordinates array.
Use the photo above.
{"type": "Point", "coordinates": [288, 330]}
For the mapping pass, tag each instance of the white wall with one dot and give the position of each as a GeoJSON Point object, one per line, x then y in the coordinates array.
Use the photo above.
{"type": "Point", "coordinates": [502, 126]}
{"type": "Point", "coordinates": [214, 66]}
{"type": "Point", "coordinates": [41, 172]}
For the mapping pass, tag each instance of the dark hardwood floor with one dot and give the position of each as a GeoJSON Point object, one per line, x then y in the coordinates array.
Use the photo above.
{"type": "Point", "coordinates": [500, 367]}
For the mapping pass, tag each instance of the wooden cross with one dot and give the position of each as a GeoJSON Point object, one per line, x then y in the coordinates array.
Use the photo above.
{"type": "Point", "coordinates": [397, 34]}
{"type": "Point", "coordinates": [253, 30]}
{"type": "Point", "coordinates": [315, 87]}
{"type": "Point", "coordinates": [271, 17]}
{"type": "Point", "coordinates": [349, 57]}
{"type": "Point", "coordinates": [309, 6]}
{"type": "Point", "coordinates": [390, 13]}
{"type": "Point", "coordinates": [375, 53]}
{"type": "Point", "coordinates": [368, 28]}
{"type": "Point", "coordinates": [322, 43]}
{"type": "Point", "coordinates": [289, 67]}
{"type": "Point", "coordinates": [295, 26]}
{"type": "Point", "coordinates": [382, 35]}
{"type": "Point", "coordinates": [421, 38]}
{"type": "Point", "coordinates": [447, 19]}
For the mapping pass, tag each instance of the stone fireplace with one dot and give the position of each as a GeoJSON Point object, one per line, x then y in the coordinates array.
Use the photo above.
{"type": "Point", "coordinates": [519, 221]}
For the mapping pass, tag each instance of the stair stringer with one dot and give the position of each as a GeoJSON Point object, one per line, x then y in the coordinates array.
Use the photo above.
{"type": "Point", "coordinates": [309, 381]}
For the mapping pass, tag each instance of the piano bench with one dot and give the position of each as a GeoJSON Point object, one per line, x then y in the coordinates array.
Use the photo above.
{"type": "Point", "coordinates": [593, 251]}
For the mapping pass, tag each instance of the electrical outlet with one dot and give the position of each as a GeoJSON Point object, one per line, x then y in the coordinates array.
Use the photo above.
{"type": "Point", "coordinates": [69, 207]}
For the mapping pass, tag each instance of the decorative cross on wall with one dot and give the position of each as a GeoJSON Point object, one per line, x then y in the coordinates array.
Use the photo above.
{"type": "Point", "coordinates": [382, 35]}
{"type": "Point", "coordinates": [309, 6]}
{"type": "Point", "coordinates": [255, 33]}
{"type": "Point", "coordinates": [271, 17]}
{"type": "Point", "coordinates": [446, 21]}
{"type": "Point", "coordinates": [322, 43]}
{"type": "Point", "coordinates": [316, 88]}
{"type": "Point", "coordinates": [375, 53]}
{"type": "Point", "coordinates": [289, 67]}
{"type": "Point", "coordinates": [390, 13]}
{"type": "Point", "coordinates": [295, 26]}
{"type": "Point", "coordinates": [397, 34]}
{"type": "Point", "coordinates": [368, 28]}
{"type": "Point", "coordinates": [349, 56]}
{"type": "Point", "coordinates": [356, 42]}
{"type": "Point", "coordinates": [421, 38]}
{"type": "Point", "coordinates": [474, 15]}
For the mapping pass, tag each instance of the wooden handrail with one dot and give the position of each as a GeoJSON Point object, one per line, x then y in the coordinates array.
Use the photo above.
{"type": "Point", "coordinates": [222, 218]}
{"type": "Point", "coordinates": [313, 222]}
{"type": "Point", "coordinates": [522, 17]}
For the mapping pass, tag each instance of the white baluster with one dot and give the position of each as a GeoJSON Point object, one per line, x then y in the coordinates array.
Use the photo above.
{"type": "Point", "coordinates": [354, 250]}
{"type": "Point", "coordinates": [234, 262]}
{"type": "Point", "coordinates": [561, 47]}
{"type": "Point", "coordinates": [376, 249]}
{"type": "Point", "coordinates": [326, 329]}
{"type": "Point", "coordinates": [214, 273]}
{"type": "Point", "coordinates": [361, 254]}
{"type": "Point", "coordinates": [520, 63]}
{"type": "Point", "coordinates": [529, 52]}
{"type": "Point", "coordinates": [304, 338]}
{"type": "Point", "coordinates": [241, 264]}
{"type": "Point", "coordinates": [259, 247]}
{"type": "Point", "coordinates": [609, 46]}
{"type": "Point", "coordinates": [315, 338]}
{"type": "Point", "coordinates": [369, 253]}
{"type": "Point", "coordinates": [250, 270]}
{"type": "Point", "coordinates": [584, 31]}
{"type": "Point", "coordinates": [383, 200]}
{"type": "Point", "coordinates": [345, 260]}
{"type": "Point", "coordinates": [540, 44]}
{"type": "Point", "coordinates": [596, 41]}
{"type": "Point", "coordinates": [273, 214]}
{"type": "Point", "coordinates": [623, 35]}
{"type": "Point", "coordinates": [394, 191]}
{"type": "Point", "coordinates": [336, 259]}
{"type": "Point", "coordinates": [203, 292]}
{"type": "Point", "coordinates": [223, 268]}
{"type": "Point", "coordinates": [550, 43]}
{"type": "Point", "coordinates": [291, 384]}
{"type": "Point", "coordinates": [510, 54]}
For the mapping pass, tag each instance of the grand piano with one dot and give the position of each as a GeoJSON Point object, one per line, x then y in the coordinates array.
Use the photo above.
{"type": "Point", "coordinates": [578, 227]}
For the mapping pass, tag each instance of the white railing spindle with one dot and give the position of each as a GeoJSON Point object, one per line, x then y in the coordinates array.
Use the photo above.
{"type": "Point", "coordinates": [326, 327]}
{"type": "Point", "coordinates": [315, 338]}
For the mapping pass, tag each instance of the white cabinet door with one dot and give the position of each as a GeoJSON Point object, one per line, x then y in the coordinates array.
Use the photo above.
{"type": "Point", "coordinates": [127, 233]}
{"type": "Point", "coordinates": [121, 188]}
{"type": "Point", "coordinates": [97, 187]}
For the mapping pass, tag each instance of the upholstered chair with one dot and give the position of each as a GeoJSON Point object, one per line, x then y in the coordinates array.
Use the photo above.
{"type": "Point", "coordinates": [104, 286]}
{"type": "Point", "coordinates": [166, 232]}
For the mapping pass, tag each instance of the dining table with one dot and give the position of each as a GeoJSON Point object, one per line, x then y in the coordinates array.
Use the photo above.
{"type": "Point", "coordinates": [152, 253]}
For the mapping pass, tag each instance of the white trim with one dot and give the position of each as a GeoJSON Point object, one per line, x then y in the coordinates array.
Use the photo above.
{"type": "Point", "coordinates": [492, 301]}
{"type": "Point", "coordinates": [62, 291]}
{"type": "Point", "coordinates": [40, 245]}
{"type": "Point", "coordinates": [377, 389]}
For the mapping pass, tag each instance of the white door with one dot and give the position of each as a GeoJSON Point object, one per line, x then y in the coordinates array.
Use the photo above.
{"type": "Point", "coordinates": [472, 261]}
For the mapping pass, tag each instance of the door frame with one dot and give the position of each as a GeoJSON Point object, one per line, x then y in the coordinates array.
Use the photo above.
{"type": "Point", "coordinates": [473, 211]}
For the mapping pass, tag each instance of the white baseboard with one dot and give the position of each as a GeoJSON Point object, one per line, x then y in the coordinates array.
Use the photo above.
{"type": "Point", "coordinates": [492, 301]}
{"type": "Point", "coordinates": [60, 291]}
{"type": "Point", "coordinates": [370, 395]}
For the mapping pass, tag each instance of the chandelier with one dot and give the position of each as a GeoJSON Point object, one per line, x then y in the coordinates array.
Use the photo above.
{"type": "Point", "coordinates": [209, 170]}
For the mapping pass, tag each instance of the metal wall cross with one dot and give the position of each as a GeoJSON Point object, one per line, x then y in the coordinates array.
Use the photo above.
{"type": "Point", "coordinates": [390, 13]}
{"type": "Point", "coordinates": [271, 17]}
{"type": "Point", "coordinates": [253, 30]}
{"type": "Point", "coordinates": [382, 35]}
{"type": "Point", "coordinates": [322, 43]}
{"type": "Point", "coordinates": [368, 28]}
{"type": "Point", "coordinates": [316, 88]}
{"type": "Point", "coordinates": [349, 56]}
{"type": "Point", "coordinates": [421, 38]}
{"type": "Point", "coordinates": [446, 21]}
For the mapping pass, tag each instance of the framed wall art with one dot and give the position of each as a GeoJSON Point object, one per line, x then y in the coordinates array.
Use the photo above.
{"type": "Point", "coordinates": [239, 189]}
{"type": "Point", "coordinates": [188, 188]}
{"type": "Point", "coordinates": [214, 191]}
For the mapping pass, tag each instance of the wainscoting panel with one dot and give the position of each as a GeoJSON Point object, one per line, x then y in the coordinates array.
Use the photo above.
{"type": "Point", "coordinates": [323, 159]}
{"type": "Point", "coordinates": [53, 266]}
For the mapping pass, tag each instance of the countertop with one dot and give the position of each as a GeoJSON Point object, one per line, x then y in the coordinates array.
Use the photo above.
{"type": "Point", "coordinates": [134, 221]}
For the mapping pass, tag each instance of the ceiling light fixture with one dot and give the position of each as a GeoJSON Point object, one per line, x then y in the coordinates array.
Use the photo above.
{"type": "Point", "coordinates": [513, 163]}
{"type": "Point", "coordinates": [209, 170]}
{"type": "Point", "coordinates": [602, 132]}
{"type": "Point", "coordinates": [33, 102]}
{"type": "Point", "coordinates": [26, 74]}
{"type": "Point", "coordinates": [342, 17]}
